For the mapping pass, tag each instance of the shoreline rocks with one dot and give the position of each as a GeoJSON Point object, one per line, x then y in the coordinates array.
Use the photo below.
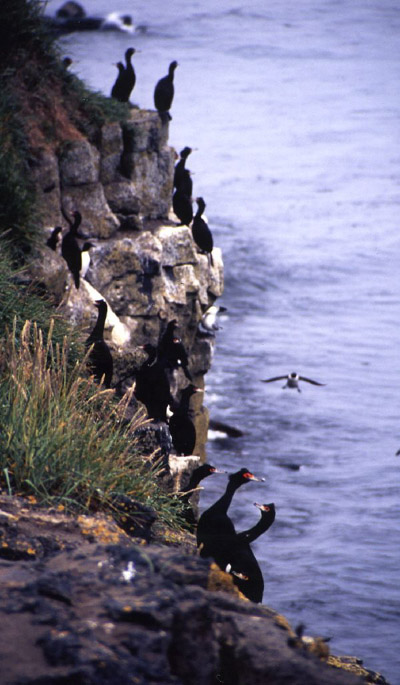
{"type": "Point", "coordinates": [82, 602]}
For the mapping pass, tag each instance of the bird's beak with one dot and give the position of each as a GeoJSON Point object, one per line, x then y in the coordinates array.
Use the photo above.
{"type": "Point", "coordinates": [263, 506]}
{"type": "Point", "coordinates": [252, 477]}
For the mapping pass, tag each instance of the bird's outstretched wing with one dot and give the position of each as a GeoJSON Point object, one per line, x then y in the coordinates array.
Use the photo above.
{"type": "Point", "coordinates": [276, 378]}
{"type": "Point", "coordinates": [303, 378]}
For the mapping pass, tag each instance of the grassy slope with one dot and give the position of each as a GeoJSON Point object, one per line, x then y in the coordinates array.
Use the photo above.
{"type": "Point", "coordinates": [62, 439]}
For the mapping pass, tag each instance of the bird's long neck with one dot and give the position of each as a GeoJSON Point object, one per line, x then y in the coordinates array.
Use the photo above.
{"type": "Point", "coordinates": [151, 358]}
{"type": "Point", "coordinates": [184, 404]}
{"type": "Point", "coordinates": [195, 479]}
{"type": "Point", "coordinates": [129, 65]}
{"type": "Point", "coordinates": [222, 505]}
{"type": "Point", "coordinates": [167, 337]}
{"type": "Point", "coordinates": [261, 527]}
{"type": "Point", "coordinates": [200, 209]}
{"type": "Point", "coordinates": [75, 225]}
{"type": "Point", "coordinates": [98, 330]}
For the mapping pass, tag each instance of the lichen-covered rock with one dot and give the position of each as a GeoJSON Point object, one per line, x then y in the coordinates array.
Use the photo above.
{"type": "Point", "coordinates": [121, 197]}
{"type": "Point", "coordinates": [45, 174]}
{"type": "Point", "coordinates": [79, 164]}
{"type": "Point", "coordinates": [144, 132]}
{"type": "Point", "coordinates": [50, 270]}
{"type": "Point", "coordinates": [151, 173]}
{"type": "Point", "coordinates": [81, 602]}
{"type": "Point", "coordinates": [147, 268]}
{"type": "Point", "coordinates": [178, 247]}
{"type": "Point", "coordinates": [98, 221]}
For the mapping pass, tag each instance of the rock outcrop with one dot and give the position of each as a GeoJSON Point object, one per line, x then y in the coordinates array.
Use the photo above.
{"type": "Point", "coordinates": [143, 263]}
{"type": "Point", "coordinates": [80, 602]}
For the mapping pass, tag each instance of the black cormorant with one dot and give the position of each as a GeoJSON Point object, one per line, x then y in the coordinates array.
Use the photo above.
{"type": "Point", "coordinates": [152, 385]}
{"type": "Point", "coordinates": [215, 529]}
{"type": "Point", "coordinates": [172, 350]}
{"type": "Point", "coordinates": [126, 78]}
{"type": "Point", "coordinates": [243, 565]}
{"type": "Point", "coordinates": [100, 359]}
{"type": "Point", "coordinates": [199, 474]}
{"type": "Point", "coordinates": [182, 206]}
{"type": "Point", "coordinates": [70, 249]}
{"type": "Point", "coordinates": [181, 426]}
{"type": "Point", "coordinates": [180, 166]}
{"type": "Point", "coordinates": [164, 92]}
{"type": "Point", "coordinates": [201, 233]}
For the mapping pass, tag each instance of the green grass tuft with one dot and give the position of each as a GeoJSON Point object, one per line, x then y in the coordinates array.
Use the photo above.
{"type": "Point", "coordinates": [19, 302]}
{"type": "Point", "coordinates": [64, 439]}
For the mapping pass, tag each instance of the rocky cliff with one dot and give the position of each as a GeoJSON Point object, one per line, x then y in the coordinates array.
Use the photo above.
{"type": "Point", "coordinates": [83, 604]}
{"type": "Point", "coordinates": [143, 263]}
{"type": "Point", "coordinates": [81, 601]}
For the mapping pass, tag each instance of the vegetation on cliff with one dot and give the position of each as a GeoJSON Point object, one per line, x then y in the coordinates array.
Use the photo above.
{"type": "Point", "coordinates": [63, 439]}
{"type": "Point", "coordinates": [41, 103]}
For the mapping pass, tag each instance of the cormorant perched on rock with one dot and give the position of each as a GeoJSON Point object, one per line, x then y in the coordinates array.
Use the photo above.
{"type": "Point", "coordinates": [215, 529]}
{"type": "Point", "coordinates": [100, 359]}
{"type": "Point", "coordinates": [243, 565]}
{"type": "Point", "coordinates": [182, 206]}
{"type": "Point", "coordinates": [152, 385]}
{"type": "Point", "coordinates": [126, 78]}
{"type": "Point", "coordinates": [201, 233]}
{"type": "Point", "coordinates": [186, 184]}
{"type": "Point", "coordinates": [70, 249]}
{"type": "Point", "coordinates": [172, 350]}
{"type": "Point", "coordinates": [52, 242]}
{"type": "Point", "coordinates": [181, 426]}
{"type": "Point", "coordinates": [196, 477]}
{"type": "Point", "coordinates": [180, 166]}
{"type": "Point", "coordinates": [164, 93]}
{"type": "Point", "coordinates": [292, 380]}
{"type": "Point", "coordinates": [117, 88]}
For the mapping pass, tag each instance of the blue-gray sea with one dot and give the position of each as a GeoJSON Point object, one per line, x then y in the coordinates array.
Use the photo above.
{"type": "Point", "coordinates": [294, 108]}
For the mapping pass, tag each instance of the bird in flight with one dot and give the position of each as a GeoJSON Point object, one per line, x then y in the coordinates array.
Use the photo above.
{"type": "Point", "coordinates": [292, 380]}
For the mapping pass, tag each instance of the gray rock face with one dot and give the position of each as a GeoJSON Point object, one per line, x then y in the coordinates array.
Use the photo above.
{"type": "Point", "coordinates": [80, 602]}
{"type": "Point", "coordinates": [45, 173]}
{"type": "Point", "coordinates": [147, 268]}
{"type": "Point", "coordinates": [79, 164]}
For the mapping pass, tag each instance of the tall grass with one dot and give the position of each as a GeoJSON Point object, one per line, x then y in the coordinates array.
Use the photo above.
{"type": "Point", "coordinates": [19, 301]}
{"type": "Point", "coordinates": [64, 439]}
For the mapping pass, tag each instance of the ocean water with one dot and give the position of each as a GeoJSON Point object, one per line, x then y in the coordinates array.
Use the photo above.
{"type": "Point", "coordinates": [294, 111]}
